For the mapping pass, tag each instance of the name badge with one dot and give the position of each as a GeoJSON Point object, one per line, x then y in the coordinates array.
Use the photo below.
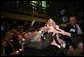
{"type": "Point", "coordinates": [72, 30]}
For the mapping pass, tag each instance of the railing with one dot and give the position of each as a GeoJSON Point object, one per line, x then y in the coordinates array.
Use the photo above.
{"type": "Point", "coordinates": [26, 6]}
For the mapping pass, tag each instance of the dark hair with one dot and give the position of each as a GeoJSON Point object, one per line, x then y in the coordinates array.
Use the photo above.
{"type": "Point", "coordinates": [75, 40]}
{"type": "Point", "coordinates": [72, 16]}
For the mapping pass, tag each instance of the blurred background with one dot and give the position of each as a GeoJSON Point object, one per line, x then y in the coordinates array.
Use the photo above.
{"type": "Point", "coordinates": [25, 12]}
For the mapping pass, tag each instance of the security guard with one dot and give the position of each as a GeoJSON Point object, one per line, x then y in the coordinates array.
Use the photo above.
{"type": "Point", "coordinates": [73, 27]}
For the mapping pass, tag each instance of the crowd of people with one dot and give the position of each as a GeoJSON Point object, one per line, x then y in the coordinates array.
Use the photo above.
{"type": "Point", "coordinates": [47, 40]}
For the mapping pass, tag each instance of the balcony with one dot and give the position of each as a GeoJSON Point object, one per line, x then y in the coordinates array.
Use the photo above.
{"type": "Point", "coordinates": [22, 10]}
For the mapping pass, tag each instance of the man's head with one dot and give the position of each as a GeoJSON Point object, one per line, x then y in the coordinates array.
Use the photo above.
{"type": "Point", "coordinates": [76, 45]}
{"type": "Point", "coordinates": [72, 20]}
{"type": "Point", "coordinates": [35, 41]}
